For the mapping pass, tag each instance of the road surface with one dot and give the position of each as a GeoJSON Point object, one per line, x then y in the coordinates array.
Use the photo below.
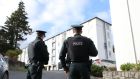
{"type": "Point", "coordinates": [46, 75]}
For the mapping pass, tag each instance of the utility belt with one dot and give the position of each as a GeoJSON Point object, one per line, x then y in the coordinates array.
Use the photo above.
{"type": "Point", "coordinates": [71, 61]}
{"type": "Point", "coordinates": [87, 61]}
{"type": "Point", "coordinates": [34, 62]}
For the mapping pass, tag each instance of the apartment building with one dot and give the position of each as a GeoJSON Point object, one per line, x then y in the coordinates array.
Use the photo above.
{"type": "Point", "coordinates": [96, 29]}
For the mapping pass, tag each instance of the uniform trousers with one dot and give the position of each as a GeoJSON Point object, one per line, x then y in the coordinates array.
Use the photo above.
{"type": "Point", "coordinates": [79, 71]}
{"type": "Point", "coordinates": [34, 71]}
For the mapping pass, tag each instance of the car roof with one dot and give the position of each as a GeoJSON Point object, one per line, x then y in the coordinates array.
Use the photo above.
{"type": "Point", "coordinates": [1, 56]}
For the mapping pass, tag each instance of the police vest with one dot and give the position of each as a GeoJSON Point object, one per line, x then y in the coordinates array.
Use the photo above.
{"type": "Point", "coordinates": [78, 49]}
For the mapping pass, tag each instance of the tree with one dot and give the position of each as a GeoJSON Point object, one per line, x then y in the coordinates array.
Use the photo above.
{"type": "Point", "coordinates": [4, 46]}
{"type": "Point", "coordinates": [15, 28]}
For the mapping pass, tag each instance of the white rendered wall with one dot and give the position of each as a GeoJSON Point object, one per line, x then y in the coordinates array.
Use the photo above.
{"type": "Point", "coordinates": [59, 42]}
{"type": "Point", "coordinates": [89, 30]}
{"type": "Point", "coordinates": [24, 56]}
{"type": "Point", "coordinates": [49, 46]}
{"type": "Point", "coordinates": [104, 37]}
{"type": "Point", "coordinates": [135, 18]}
{"type": "Point", "coordinates": [101, 40]}
{"type": "Point", "coordinates": [124, 48]}
{"type": "Point", "coordinates": [93, 29]}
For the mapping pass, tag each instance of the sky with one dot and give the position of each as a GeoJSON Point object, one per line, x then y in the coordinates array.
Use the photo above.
{"type": "Point", "coordinates": [56, 16]}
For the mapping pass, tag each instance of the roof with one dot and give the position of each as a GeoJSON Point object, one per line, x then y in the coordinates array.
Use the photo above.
{"type": "Point", "coordinates": [80, 24]}
{"type": "Point", "coordinates": [97, 18]}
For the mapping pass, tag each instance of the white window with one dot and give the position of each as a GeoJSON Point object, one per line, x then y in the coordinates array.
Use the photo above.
{"type": "Point", "coordinates": [108, 35]}
{"type": "Point", "coordinates": [53, 39]}
{"type": "Point", "coordinates": [53, 59]}
{"type": "Point", "coordinates": [109, 53]}
{"type": "Point", "coordinates": [53, 52]}
{"type": "Point", "coordinates": [63, 36]}
{"type": "Point", "coordinates": [109, 44]}
{"type": "Point", "coordinates": [53, 45]}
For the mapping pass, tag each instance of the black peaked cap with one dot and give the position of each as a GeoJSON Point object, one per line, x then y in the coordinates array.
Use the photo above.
{"type": "Point", "coordinates": [76, 26]}
{"type": "Point", "coordinates": [40, 31]}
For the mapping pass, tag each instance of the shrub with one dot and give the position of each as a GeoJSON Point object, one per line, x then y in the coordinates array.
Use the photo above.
{"type": "Point", "coordinates": [127, 67]}
{"type": "Point", "coordinates": [96, 70]}
{"type": "Point", "coordinates": [112, 69]}
{"type": "Point", "coordinates": [137, 67]}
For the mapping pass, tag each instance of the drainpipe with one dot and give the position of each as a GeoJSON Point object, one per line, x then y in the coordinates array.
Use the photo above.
{"type": "Point", "coordinates": [130, 21]}
{"type": "Point", "coordinates": [105, 43]}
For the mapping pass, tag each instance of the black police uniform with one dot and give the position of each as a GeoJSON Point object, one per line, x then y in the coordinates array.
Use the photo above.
{"type": "Point", "coordinates": [39, 57]}
{"type": "Point", "coordinates": [79, 48]}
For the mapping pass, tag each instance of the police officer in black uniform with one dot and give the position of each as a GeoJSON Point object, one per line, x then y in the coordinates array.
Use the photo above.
{"type": "Point", "coordinates": [78, 49]}
{"type": "Point", "coordinates": [38, 56]}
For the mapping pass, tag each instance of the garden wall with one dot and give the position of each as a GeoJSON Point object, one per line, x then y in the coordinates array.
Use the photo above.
{"type": "Point", "coordinates": [121, 75]}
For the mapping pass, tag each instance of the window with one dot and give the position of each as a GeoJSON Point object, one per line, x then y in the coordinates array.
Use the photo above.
{"type": "Point", "coordinates": [53, 52]}
{"type": "Point", "coordinates": [53, 45]}
{"type": "Point", "coordinates": [107, 27]}
{"type": "Point", "coordinates": [109, 53]}
{"type": "Point", "coordinates": [108, 35]}
{"type": "Point", "coordinates": [109, 44]}
{"type": "Point", "coordinates": [63, 36]}
{"type": "Point", "coordinates": [53, 39]}
{"type": "Point", "coordinates": [53, 60]}
{"type": "Point", "coordinates": [113, 48]}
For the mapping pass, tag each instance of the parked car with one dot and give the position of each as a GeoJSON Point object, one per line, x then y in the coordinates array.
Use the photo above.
{"type": "Point", "coordinates": [60, 66]}
{"type": "Point", "coordinates": [4, 74]}
{"type": "Point", "coordinates": [105, 63]}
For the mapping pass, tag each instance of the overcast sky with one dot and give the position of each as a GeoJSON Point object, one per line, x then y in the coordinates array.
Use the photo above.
{"type": "Point", "coordinates": [55, 16]}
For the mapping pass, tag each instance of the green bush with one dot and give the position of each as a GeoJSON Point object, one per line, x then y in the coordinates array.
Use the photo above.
{"type": "Point", "coordinates": [128, 67]}
{"type": "Point", "coordinates": [137, 67]}
{"type": "Point", "coordinates": [96, 71]}
{"type": "Point", "coordinates": [112, 69]}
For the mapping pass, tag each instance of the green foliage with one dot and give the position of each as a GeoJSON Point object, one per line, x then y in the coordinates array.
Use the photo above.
{"type": "Point", "coordinates": [13, 53]}
{"type": "Point", "coordinates": [112, 68]}
{"type": "Point", "coordinates": [17, 66]}
{"type": "Point", "coordinates": [3, 42]}
{"type": "Point", "coordinates": [97, 70]}
{"type": "Point", "coordinates": [137, 67]}
{"type": "Point", "coordinates": [16, 26]}
{"type": "Point", "coordinates": [14, 30]}
{"type": "Point", "coordinates": [13, 57]}
{"type": "Point", "coordinates": [130, 67]}
{"type": "Point", "coordinates": [127, 67]}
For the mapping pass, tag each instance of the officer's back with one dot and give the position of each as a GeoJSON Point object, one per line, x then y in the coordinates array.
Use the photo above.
{"type": "Point", "coordinates": [38, 56]}
{"type": "Point", "coordinates": [79, 48]}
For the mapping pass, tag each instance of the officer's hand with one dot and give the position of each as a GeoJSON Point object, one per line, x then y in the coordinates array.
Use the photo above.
{"type": "Point", "coordinates": [26, 66]}
{"type": "Point", "coordinates": [66, 69]}
{"type": "Point", "coordinates": [66, 72]}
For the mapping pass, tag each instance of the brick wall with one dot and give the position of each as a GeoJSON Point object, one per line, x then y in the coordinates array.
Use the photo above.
{"type": "Point", "coordinates": [121, 75]}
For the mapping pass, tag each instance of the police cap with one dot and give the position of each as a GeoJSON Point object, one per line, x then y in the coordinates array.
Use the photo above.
{"type": "Point", "coordinates": [40, 31]}
{"type": "Point", "coordinates": [76, 26]}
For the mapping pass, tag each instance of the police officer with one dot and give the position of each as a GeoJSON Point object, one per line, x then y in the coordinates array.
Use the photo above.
{"type": "Point", "coordinates": [38, 56]}
{"type": "Point", "coordinates": [78, 48]}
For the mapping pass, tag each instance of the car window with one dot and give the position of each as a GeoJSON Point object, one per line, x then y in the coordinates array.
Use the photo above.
{"type": "Point", "coordinates": [1, 61]}
{"type": "Point", "coordinates": [109, 61]}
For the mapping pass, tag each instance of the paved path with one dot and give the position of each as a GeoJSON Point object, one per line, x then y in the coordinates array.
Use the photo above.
{"type": "Point", "coordinates": [46, 75]}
